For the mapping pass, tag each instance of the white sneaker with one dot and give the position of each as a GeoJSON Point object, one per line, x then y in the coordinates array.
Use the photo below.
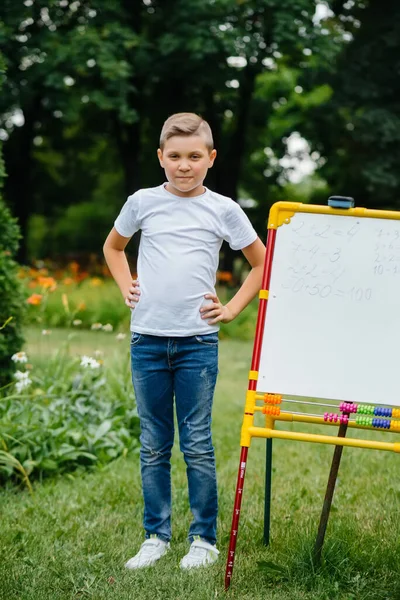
{"type": "Point", "coordinates": [201, 554]}
{"type": "Point", "coordinates": [150, 552]}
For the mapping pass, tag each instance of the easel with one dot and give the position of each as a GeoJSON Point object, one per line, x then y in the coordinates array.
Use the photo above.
{"type": "Point", "coordinates": [280, 214]}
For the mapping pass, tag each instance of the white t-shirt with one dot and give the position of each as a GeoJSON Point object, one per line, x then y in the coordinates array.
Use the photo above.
{"type": "Point", "coordinates": [178, 255]}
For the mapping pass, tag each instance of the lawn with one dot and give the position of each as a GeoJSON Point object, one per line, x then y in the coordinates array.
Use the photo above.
{"type": "Point", "coordinates": [71, 537]}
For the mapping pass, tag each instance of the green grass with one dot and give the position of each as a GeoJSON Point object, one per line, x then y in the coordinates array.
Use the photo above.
{"type": "Point", "coordinates": [70, 539]}
{"type": "Point", "coordinates": [74, 341]}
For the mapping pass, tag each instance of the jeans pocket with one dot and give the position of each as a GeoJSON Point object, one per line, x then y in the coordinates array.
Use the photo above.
{"type": "Point", "coordinates": [208, 339]}
{"type": "Point", "coordinates": [135, 338]}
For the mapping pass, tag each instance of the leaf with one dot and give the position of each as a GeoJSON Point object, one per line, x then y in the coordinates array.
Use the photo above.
{"type": "Point", "coordinates": [102, 430]}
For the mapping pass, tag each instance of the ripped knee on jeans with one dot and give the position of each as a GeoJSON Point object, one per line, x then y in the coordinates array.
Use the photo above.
{"type": "Point", "coordinates": [152, 454]}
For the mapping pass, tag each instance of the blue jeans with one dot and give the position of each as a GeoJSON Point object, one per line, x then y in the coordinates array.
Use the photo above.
{"type": "Point", "coordinates": [185, 368]}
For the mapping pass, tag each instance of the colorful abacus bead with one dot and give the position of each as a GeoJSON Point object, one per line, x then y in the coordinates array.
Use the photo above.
{"type": "Point", "coordinates": [365, 421]}
{"type": "Point", "coordinates": [366, 409]}
{"type": "Point", "coordinates": [381, 423]}
{"type": "Point", "coordinates": [394, 425]}
{"type": "Point", "coordinates": [271, 410]}
{"type": "Point", "coordinates": [348, 407]}
{"type": "Point", "coordinates": [381, 411]}
{"type": "Point", "coordinates": [396, 412]}
{"type": "Point", "coordinates": [344, 419]}
{"type": "Point", "coordinates": [272, 398]}
{"type": "Point", "coordinates": [331, 417]}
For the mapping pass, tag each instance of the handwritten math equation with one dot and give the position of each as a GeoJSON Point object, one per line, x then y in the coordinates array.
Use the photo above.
{"type": "Point", "coordinates": [317, 262]}
{"type": "Point", "coordinates": [387, 252]}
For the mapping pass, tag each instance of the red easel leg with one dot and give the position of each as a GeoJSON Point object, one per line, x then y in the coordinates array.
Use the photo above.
{"type": "Point", "coordinates": [235, 517]}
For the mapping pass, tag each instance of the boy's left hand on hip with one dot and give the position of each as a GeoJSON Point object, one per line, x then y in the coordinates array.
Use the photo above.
{"type": "Point", "coordinates": [215, 312]}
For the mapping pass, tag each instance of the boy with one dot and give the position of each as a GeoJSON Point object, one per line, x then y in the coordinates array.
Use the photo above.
{"type": "Point", "coordinates": [174, 323]}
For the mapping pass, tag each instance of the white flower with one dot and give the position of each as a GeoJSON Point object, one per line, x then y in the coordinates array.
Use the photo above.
{"type": "Point", "coordinates": [98, 353]}
{"type": "Point", "coordinates": [46, 331]}
{"type": "Point", "coordinates": [23, 380]}
{"type": "Point", "coordinates": [107, 327]}
{"type": "Point", "coordinates": [20, 385]}
{"type": "Point", "coordinates": [120, 336]}
{"type": "Point", "coordinates": [19, 357]}
{"type": "Point", "coordinates": [77, 322]}
{"type": "Point", "coordinates": [87, 361]}
{"type": "Point", "coordinates": [96, 326]}
{"type": "Point", "coordinates": [21, 375]}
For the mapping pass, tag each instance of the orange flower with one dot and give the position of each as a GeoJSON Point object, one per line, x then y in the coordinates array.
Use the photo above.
{"type": "Point", "coordinates": [35, 299]}
{"type": "Point", "coordinates": [68, 281]}
{"type": "Point", "coordinates": [224, 276]}
{"type": "Point", "coordinates": [47, 283]}
{"type": "Point", "coordinates": [81, 306]}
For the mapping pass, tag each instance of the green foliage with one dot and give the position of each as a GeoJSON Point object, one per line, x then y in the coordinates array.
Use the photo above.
{"type": "Point", "coordinates": [82, 228]}
{"type": "Point", "coordinates": [37, 237]}
{"type": "Point", "coordinates": [79, 229]}
{"type": "Point", "coordinates": [69, 417]}
{"type": "Point", "coordinates": [88, 80]}
{"type": "Point", "coordinates": [11, 298]}
{"type": "Point", "coordinates": [357, 129]}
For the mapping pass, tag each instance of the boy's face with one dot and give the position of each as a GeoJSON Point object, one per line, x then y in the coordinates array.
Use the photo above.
{"type": "Point", "coordinates": [186, 160]}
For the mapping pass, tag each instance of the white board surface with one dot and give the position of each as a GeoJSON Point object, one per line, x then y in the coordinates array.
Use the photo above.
{"type": "Point", "coordinates": [332, 327]}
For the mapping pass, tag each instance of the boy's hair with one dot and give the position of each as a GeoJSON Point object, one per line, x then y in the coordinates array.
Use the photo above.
{"type": "Point", "coordinates": [186, 124]}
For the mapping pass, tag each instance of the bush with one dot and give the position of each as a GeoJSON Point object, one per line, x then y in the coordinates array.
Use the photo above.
{"type": "Point", "coordinates": [11, 296]}
{"type": "Point", "coordinates": [69, 414]}
{"type": "Point", "coordinates": [82, 228]}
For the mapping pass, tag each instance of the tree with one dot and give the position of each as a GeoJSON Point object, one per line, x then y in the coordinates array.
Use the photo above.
{"type": "Point", "coordinates": [358, 130]}
{"type": "Point", "coordinates": [119, 68]}
{"type": "Point", "coordinates": [11, 299]}
{"type": "Point", "coordinates": [32, 39]}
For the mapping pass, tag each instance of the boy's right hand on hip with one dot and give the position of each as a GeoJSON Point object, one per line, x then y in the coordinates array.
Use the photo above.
{"type": "Point", "coordinates": [133, 294]}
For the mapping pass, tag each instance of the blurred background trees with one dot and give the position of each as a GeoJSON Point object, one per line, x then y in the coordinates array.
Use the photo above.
{"type": "Point", "coordinates": [301, 95]}
{"type": "Point", "coordinates": [11, 298]}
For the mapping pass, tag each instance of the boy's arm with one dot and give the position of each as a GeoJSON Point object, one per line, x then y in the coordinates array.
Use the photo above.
{"type": "Point", "coordinates": [117, 262]}
{"type": "Point", "coordinates": [215, 312]}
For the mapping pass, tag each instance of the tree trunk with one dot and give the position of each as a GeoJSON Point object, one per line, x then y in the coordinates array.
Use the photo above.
{"type": "Point", "coordinates": [228, 176]}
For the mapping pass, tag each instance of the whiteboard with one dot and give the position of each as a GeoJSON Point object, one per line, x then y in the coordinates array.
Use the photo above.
{"type": "Point", "coordinates": [332, 326]}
